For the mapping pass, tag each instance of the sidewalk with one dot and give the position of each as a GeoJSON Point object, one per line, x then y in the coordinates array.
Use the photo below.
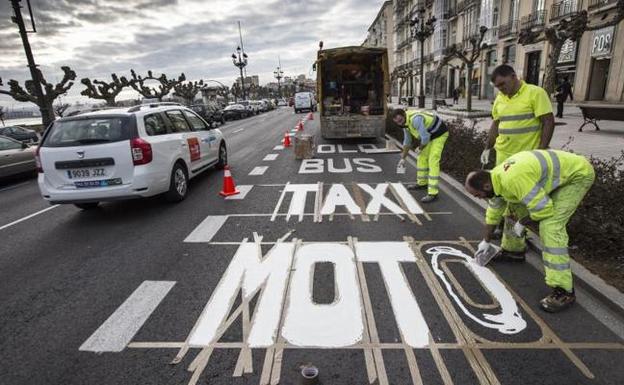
{"type": "Point", "coordinates": [604, 144]}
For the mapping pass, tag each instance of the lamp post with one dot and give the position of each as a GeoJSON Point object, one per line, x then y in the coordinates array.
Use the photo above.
{"type": "Point", "coordinates": [421, 30]}
{"type": "Point", "coordinates": [279, 74]}
{"type": "Point", "coordinates": [240, 60]}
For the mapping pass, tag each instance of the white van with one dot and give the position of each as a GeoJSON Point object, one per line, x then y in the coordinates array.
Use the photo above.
{"type": "Point", "coordinates": [126, 153]}
{"type": "Point", "coordinates": [304, 101]}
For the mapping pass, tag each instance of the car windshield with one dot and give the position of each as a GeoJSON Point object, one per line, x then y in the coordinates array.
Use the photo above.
{"type": "Point", "coordinates": [234, 107]}
{"type": "Point", "coordinates": [87, 131]}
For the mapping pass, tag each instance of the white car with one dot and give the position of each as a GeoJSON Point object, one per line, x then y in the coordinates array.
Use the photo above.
{"type": "Point", "coordinates": [304, 101]}
{"type": "Point", "coordinates": [125, 153]}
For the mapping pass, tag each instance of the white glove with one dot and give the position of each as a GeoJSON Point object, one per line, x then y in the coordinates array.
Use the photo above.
{"type": "Point", "coordinates": [482, 252]}
{"type": "Point", "coordinates": [485, 156]}
{"type": "Point", "coordinates": [401, 166]}
{"type": "Point", "coordinates": [518, 229]}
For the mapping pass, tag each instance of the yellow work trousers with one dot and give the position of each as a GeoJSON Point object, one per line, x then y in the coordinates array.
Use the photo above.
{"type": "Point", "coordinates": [428, 164]}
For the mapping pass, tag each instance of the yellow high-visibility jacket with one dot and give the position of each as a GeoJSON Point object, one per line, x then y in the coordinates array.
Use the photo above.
{"type": "Point", "coordinates": [528, 177]}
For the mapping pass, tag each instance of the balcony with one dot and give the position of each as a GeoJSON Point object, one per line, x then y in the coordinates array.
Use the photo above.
{"type": "Point", "coordinates": [533, 20]}
{"type": "Point", "coordinates": [450, 11]}
{"type": "Point", "coordinates": [565, 8]}
{"type": "Point", "coordinates": [597, 4]}
{"type": "Point", "coordinates": [509, 29]}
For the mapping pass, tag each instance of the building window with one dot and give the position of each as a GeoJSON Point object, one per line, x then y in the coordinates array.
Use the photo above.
{"type": "Point", "coordinates": [509, 54]}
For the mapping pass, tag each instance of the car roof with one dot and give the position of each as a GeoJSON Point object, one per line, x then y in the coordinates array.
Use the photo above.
{"type": "Point", "coordinates": [137, 111]}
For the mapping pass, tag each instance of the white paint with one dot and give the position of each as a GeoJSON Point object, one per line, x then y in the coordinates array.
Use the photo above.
{"type": "Point", "coordinates": [333, 325]}
{"type": "Point", "coordinates": [239, 130]}
{"type": "Point", "coordinates": [366, 167]}
{"type": "Point", "coordinates": [249, 272]}
{"type": "Point", "coordinates": [207, 229]}
{"type": "Point", "coordinates": [243, 190]}
{"type": "Point", "coordinates": [339, 196]}
{"type": "Point", "coordinates": [278, 147]}
{"type": "Point", "coordinates": [410, 203]}
{"type": "Point", "coordinates": [343, 151]}
{"type": "Point", "coordinates": [346, 169]}
{"type": "Point", "coordinates": [270, 157]}
{"type": "Point", "coordinates": [379, 199]}
{"type": "Point", "coordinates": [259, 170]}
{"type": "Point", "coordinates": [326, 149]}
{"type": "Point", "coordinates": [509, 320]}
{"type": "Point", "coordinates": [312, 166]}
{"type": "Point", "coordinates": [300, 194]}
{"type": "Point", "coordinates": [119, 329]}
{"type": "Point", "coordinates": [28, 217]}
{"type": "Point", "coordinates": [409, 317]}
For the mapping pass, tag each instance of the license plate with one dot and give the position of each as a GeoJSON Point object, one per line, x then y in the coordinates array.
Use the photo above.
{"type": "Point", "coordinates": [98, 183]}
{"type": "Point", "coordinates": [84, 173]}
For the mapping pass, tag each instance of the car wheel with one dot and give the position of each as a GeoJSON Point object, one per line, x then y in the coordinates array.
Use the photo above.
{"type": "Point", "coordinates": [222, 120]}
{"type": "Point", "coordinates": [178, 187]}
{"type": "Point", "coordinates": [222, 156]}
{"type": "Point", "coordinates": [87, 206]}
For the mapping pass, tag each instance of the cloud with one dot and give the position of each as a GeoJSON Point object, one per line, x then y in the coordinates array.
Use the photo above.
{"type": "Point", "coordinates": [197, 37]}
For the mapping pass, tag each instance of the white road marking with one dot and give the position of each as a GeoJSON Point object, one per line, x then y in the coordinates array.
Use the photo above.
{"type": "Point", "coordinates": [270, 157]}
{"type": "Point", "coordinates": [14, 186]}
{"type": "Point", "coordinates": [243, 190]}
{"type": "Point", "coordinates": [28, 217]}
{"type": "Point", "coordinates": [239, 130]}
{"type": "Point", "coordinates": [119, 329]}
{"type": "Point", "coordinates": [260, 170]}
{"type": "Point", "coordinates": [278, 148]}
{"type": "Point", "coordinates": [207, 229]}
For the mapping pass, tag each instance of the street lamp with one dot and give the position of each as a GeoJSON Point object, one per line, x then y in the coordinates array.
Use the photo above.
{"type": "Point", "coordinates": [240, 60]}
{"type": "Point", "coordinates": [279, 74]}
{"type": "Point", "coordinates": [421, 30]}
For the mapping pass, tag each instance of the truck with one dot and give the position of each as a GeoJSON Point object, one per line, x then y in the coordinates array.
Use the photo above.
{"type": "Point", "coordinates": [352, 85]}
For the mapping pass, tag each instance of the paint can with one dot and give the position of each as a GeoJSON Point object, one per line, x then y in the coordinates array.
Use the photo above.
{"type": "Point", "coordinates": [309, 375]}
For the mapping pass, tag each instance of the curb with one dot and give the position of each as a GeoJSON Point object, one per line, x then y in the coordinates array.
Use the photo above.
{"type": "Point", "coordinates": [589, 281]}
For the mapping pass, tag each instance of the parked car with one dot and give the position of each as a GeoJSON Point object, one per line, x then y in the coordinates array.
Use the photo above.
{"type": "Point", "coordinates": [211, 113]}
{"type": "Point", "coordinates": [15, 157]}
{"type": "Point", "coordinates": [291, 102]}
{"type": "Point", "coordinates": [20, 133]}
{"type": "Point", "coordinates": [118, 154]}
{"type": "Point", "coordinates": [257, 106]}
{"type": "Point", "coordinates": [248, 106]}
{"type": "Point", "coordinates": [282, 103]}
{"type": "Point", "coordinates": [304, 101]}
{"type": "Point", "coordinates": [235, 111]}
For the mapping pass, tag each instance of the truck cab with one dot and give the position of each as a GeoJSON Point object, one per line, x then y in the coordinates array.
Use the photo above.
{"type": "Point", "coordinates": [353, 84]}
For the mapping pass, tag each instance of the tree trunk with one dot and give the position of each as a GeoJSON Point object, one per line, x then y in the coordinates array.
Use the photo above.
{"type": "Point", "coordinates": [469, 69]}
{"type": "Point", "coordinates": [49, 118]}
{"type": "Point", "coordinates": [550, 72]}
{"type": "Point", "coordinates": [110, 102]}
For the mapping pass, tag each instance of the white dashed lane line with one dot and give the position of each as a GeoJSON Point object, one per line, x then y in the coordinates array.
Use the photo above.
{"type": "Point", "coordinates": [259, 170]}
{"type": "Point", "coordinates": [270, 157]}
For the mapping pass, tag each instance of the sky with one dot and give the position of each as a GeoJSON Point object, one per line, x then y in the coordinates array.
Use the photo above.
{"type": "Point", "coordinates": [197, 38]}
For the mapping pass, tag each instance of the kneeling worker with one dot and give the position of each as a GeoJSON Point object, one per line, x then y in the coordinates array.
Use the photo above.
{"type": "Point", "coordinates": [430, 133]}
{"type": "Point", "coordinates": [547, 186]}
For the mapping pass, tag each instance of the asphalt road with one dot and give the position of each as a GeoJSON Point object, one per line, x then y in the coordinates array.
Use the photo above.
{"type": "Point", "coordinates": [332, 264]}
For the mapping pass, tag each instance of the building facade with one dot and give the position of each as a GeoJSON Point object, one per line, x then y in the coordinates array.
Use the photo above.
{"type": "Point", "coordinates": [593, 64]}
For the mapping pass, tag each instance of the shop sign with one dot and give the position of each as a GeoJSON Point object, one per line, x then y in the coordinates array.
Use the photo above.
{"type": "Point", "coordinates": [602, 41]}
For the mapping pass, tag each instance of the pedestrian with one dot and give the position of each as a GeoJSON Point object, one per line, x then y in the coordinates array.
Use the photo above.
{"type": "Point", "coordinates": [455, 95]}
{"type": "Point", "coordinates": [548, 185]}
{"type": "Point", "coordinates": [563, 92]}
{"type": "Point", "coordinates": [522, 120]}
{"type": "Point", "coordinates": [428, 133]}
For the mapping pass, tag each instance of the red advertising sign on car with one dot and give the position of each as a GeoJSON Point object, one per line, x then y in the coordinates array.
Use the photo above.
{"type": "Point", "coordinates": [194, 149]}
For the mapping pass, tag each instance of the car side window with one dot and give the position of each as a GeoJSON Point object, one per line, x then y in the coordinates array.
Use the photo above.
{"type": "Point", "coordinates": [6, 144]}
{"type": "Point", "coordinates": [154, 125]}
{"type": "Point", "coordinates": [178, 122]}
{"type": "Point", "coordinates": [196, 123]}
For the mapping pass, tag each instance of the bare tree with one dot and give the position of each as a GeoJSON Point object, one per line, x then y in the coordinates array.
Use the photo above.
{"type": "Point", "coordinates": [1, 112]}
{"type": "Point", "coordinates": [189, 90]}
{"type": "Point", "coordinates": [569, 28]}
{"type": "Point", "coordinates": [444, 61]}
{"type": "Point", "coordinates": [60, 108]}
{"type": "Point", "coordinates": [107, 91]}
{"type": "Point", "coordinates": [50, 92]}
{"type": "Point", "coordinates": [137, 82]}
{"type": "Point", "coordinates": [469, 53]}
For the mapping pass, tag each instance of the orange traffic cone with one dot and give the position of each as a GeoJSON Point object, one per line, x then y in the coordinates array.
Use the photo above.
{"type": "Point", "coordinates": [300, 126]}
{"type": "Point", "coordinates": [310, 116]}
{"type": "Point", "coordinates": [286, 140]}
{"type": "Point", "coordinates": [228, 183]}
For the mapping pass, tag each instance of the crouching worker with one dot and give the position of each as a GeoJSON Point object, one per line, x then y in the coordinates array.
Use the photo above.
{"type": "Point", "coordinates": [429, 133]}
{"type": "Point", "coordinates": [545, 186]}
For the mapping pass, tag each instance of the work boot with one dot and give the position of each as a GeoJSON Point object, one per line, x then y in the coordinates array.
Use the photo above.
{"type": "Point", "coordinates": [498, 233]}
{"type": "Point", "coordinates": [429, 198]}
{"type": "Point", "coordinates": [417, 187]}
{"type": "Point", "coordinates": [560, 299]}
{"type": "Point", "coordinates": [510, 256]}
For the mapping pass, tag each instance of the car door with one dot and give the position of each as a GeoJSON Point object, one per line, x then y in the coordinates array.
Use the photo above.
{"type": "Point", "coordinates": [206, 134]}
{"type": "Point", "coordinates": [182, 141]}
{"type": "Point", "coordinates": [14, 158]}
{"type": "Point", "coordinates": [159, 136]}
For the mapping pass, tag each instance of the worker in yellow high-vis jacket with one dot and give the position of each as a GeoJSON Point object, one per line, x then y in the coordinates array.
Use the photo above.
{"type": "Point", "coordinates": [522, 120]}
{"type": "Point", "coordinates": [429, 132]}
{"type": "Point", "coordinates": [548, 185]}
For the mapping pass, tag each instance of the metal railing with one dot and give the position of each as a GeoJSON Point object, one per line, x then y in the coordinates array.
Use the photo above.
{"type": "Point", "coordinates": [508, 29]}
{"type": "Point", "coordinates": [565, 8]}
{"type": "Point", "coordinates": [595, 4]}
{"type": "Point", "coordinates": [535, 19]}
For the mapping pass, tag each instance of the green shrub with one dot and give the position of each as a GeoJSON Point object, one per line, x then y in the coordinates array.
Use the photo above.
{"type": "Point", "coordinates": [462, 152]}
